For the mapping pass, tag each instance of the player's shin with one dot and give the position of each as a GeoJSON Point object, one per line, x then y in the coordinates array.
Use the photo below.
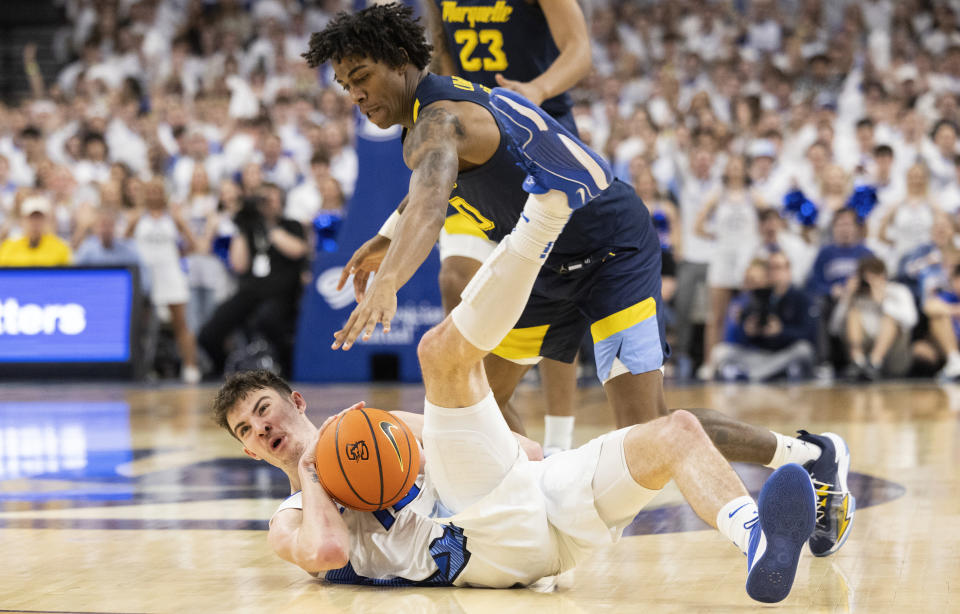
{"type": "Point", "coordinates": [494, 299]}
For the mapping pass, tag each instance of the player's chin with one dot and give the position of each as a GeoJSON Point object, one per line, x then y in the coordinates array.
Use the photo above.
{"type": "Point", "coordinates": [379, 119]}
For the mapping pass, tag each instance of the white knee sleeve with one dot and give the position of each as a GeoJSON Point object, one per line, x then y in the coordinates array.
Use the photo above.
{"type": "Point", "coordinates": [492, 302]}
{"type": "Point", "coordinates": [469, 451]}
{"type": "Point", "coordinates": [494, 299]}
{"type": "Point", "coordinates": [617, 496]}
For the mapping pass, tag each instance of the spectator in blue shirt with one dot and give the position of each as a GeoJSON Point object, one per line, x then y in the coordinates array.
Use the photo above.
{"type": "Point", "coordinates": [772, 335]}
{"type": "Point", "coordinates": [835, 263]}
{"type": "Point", "coordinates": [104, 248]}
{"type": "Point", "coordinates": [942, 308]}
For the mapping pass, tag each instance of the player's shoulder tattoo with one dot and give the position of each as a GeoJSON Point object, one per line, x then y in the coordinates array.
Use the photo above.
{"type": "Point", "coordinates": [436, 128]}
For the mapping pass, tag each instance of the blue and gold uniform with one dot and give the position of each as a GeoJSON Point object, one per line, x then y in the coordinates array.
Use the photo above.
{"type": "Point", "coordinates": [604, 270]}
{"type": "Point", "coordinates": [486, 37]}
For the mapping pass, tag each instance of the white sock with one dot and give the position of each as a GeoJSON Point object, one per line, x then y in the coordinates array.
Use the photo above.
{"type": "Point", "coordinates": [736, 519]}
{"type": "Point", "coordinates": [953, 357]}
{"type": "Point", "coordinates": [558, 432]}
{"type": "Point", "coordinates": [492, 302]}
{"type": "Point", "coordinates": [793, 450]}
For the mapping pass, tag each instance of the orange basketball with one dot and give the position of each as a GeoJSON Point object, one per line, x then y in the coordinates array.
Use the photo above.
{"type": "Point", "coordinates": [367, 459]}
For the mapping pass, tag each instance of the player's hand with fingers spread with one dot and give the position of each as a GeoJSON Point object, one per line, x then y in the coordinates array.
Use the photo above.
{"type": "Point", "coordinates": [526, 89]}
{"type": "Point", "coordinates": [378, 306]}
{"type": "Point", "coordinates": [362, 263]}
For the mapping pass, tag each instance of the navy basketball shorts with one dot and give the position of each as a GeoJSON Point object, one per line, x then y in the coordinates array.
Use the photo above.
{"type": "Point", "coordinates": [615, 294]}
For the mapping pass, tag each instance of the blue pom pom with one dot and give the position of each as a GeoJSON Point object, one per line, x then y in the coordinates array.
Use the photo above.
{"type": "Point", "coordinates": [792, 201]}
{"type": "Point", "coordinates": [801, 207]}
{"type": "Point", "coordinates": [863, 200]}
{"type": "Point", "coordinates": [660, 221]}
{"type": "Point", "coordinates": [326, 226]}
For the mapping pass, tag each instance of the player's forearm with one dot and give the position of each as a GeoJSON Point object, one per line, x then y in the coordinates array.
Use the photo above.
{"type": "Point", "coordinates": [434, 172]}
{"type": "Point", "coordinates": [322, 542]}
{"type": "Point", "coordinates": [569, 30]}
{"type": "Point", "coordinates": [567, 70]}
{"type": "Point", "coordinates": [417, 232]}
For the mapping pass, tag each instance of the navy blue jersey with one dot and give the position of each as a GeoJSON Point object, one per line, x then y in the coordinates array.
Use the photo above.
{"type": "Point", "coordinates": [486, 37]}
{"type": "Point", "coordinates": [491, 195]}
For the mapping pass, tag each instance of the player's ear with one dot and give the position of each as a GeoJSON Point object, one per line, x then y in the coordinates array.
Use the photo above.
{"type": "Point", "coordinates": [251, 454]}
{"type": "Point", "coordinates": [299, 402]}
{"type": "Point", "coordinates": [402, 67]}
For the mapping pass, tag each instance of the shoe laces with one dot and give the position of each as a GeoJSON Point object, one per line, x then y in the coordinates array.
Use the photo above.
{"type": "Point", "coordinates": [822, 496]}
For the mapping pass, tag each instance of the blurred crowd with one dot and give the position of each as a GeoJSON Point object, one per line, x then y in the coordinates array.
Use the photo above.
{"type": "Point", "coordinates": [799, 158]}
{"type": "Point", "coordinates": [189, 139]}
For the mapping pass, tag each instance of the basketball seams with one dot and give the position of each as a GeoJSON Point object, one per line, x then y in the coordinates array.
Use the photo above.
{"type": "Point", "coordinates": [376, 448]}
{"type": "Point", "coordinates": [363, 472]}
{"type": "Point", "coordinates": [343, 472]}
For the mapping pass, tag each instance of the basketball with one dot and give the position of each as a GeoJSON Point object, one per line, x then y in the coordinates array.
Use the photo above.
{"type": "Point", "coordinates": [367, 459]}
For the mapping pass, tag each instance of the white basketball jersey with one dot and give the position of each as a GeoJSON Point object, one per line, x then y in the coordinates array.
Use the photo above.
{"type": "Point", "coordinates": [401, 545]}
{"type": "Point", "coordinates": [156, 239]}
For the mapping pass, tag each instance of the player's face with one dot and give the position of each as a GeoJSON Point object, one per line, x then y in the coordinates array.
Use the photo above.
{"type": "Point", "coordinates": [271, 426]}
{"type": "Point", "coordinates": [376, 88]}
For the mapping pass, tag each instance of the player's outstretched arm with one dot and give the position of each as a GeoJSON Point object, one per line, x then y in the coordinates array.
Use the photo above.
{"type": "Point", "coordinates": [366, 260]}
{"type": "Point", "coordinates": [314, 538]}
{"type": "Point", "coordinates": [430, 150]}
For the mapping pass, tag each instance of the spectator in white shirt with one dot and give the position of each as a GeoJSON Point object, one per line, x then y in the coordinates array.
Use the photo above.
{"type": "Point", "coordinates": [695, 186]}
{"type": "Point", "coordinates": [949, 197]}
{"type": "Point", "coordinates": [343, 157]}
{"type": "Point", "coordinates": [939, 155]}
{"type": "Point", "coordinates": [277, 167]}
{"type": "Point", "coordinates": [909, 224]}
{"type": "Point", "coordinates": [876, 317]}
{"type": "Point", "coordinates": [93, 167]}
{"type": "Point", "coordinates": [305, 200]}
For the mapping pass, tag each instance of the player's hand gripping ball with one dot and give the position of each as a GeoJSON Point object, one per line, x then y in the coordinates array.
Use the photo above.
{"type": "Point", "coordinates": [367, 459]}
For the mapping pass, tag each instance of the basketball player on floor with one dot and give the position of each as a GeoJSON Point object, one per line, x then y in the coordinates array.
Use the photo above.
{"type": "Point", "coordinates": [483, 514]}
{"type": "Point", "coordinates": [540, 50]}
{"type": "Point", "coordinates": [603, 271]}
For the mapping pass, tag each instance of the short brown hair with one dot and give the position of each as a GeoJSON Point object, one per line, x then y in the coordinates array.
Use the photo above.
{"type": "Point", "coordinates": [871, 264]}
{"type": "Point", "coordinates": [238, 386]}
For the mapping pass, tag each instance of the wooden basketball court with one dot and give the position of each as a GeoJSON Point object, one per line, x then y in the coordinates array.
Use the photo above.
{"type": "Point", "coordinates": [129, 499]}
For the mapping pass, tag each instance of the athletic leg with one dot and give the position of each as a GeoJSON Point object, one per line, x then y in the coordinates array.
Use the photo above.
{"type": "Point", "coordinates": [455, 273]}
{"type": "Point", "coordinates": [771, 535]}
{"type": "Point", "coordinates": [186, 343]}
{"type": "Point", "coordinates": [465, 437]}
{"type": "Point", "coordinates": [889, 329]}
{"type": "Point", "coordinates": [713, 331]}
{"type": "Point", "coordinates": [559, 382]}
{"type": "Point", "coordinates": [503, 376]}
{"type": "Point", "coordinates": [461, 254]}
{"type": "Point", "coordinates": [636, 399]}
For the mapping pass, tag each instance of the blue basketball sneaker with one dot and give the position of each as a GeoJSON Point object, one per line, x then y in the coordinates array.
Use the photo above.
{"type": "Point", "coordinates": [835, 503]}
{"type": "Point", "coordinates": [553, 157]}
{"type": "Point", "coordinates": [787, 515]}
